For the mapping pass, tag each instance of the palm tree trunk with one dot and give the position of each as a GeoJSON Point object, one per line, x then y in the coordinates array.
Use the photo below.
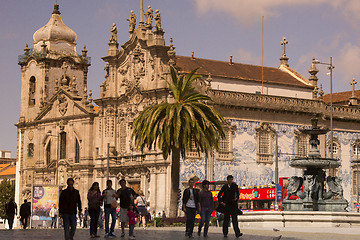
{"type": "Point", "coordinates": [175, 179]}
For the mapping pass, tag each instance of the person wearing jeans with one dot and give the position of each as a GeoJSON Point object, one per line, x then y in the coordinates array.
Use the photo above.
{"type": "Point", "coordinates": [110, 204]}
{"type": "Point", "coordinates": [94, 198]}
{"type": "Point", "coordinates": [190, 204]}
{"type": "Point", "coordinates": [68, 201]}
{"type": "Point", "coordinates": [206, 206]}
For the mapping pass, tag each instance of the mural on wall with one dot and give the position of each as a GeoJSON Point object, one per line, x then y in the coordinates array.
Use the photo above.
{"type": "Point", "coordinates": [248, 172]}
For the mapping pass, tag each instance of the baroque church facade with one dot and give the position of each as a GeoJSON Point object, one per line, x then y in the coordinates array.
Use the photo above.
{"type": "Point", "coordinates": [63, 132]}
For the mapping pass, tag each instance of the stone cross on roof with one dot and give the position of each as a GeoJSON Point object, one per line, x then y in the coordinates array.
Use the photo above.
{"type": "Point", "coordinates": [283, 43]}
{"type": "Point", "coordinates": [353, 82]}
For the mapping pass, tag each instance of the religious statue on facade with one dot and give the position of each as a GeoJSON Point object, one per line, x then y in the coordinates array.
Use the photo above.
{"type": "Point", "coordinates": [158, 21]}
{"type": "Point", "coordinates": [113, 33]}
{"type": "Point", "coordinates": [149, 17]}
{"type": "Point", "coordinates": [132, 21]}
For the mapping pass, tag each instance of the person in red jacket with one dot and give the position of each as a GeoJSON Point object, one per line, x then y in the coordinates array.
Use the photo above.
{"type": "Point", "coordinates": [132, 215]}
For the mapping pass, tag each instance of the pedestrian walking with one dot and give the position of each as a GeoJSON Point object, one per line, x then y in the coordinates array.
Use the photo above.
{"type": "Point", "coordinates": [94, 200]}
{"type": "Point", "coordinates": [141, 207]}
{"type": "Point", "coordinates": [110, 204]}
{"type": "Point", "coordinates": [53, 214]}
{"type": "Point", "coordinates": [163, 216]}
{"type": "Point", "coordinates": [190, 203]}
{"type": "Point", "coordinates": [68, 201]}
{"type": "Point", "coordinates": [126, 196]}
{"type": "Point", "coordinates": [132, 215]}
{"type": "Point", "coordinates": [228, 197]}
{"type": "Point", "coordinates": [25, 212]}
{"type": "Point", "coordinates": [11, 212]}
{"type": "Point", "coordinates": [206, 206]}
{"type": "Point", "coordinates": [85, 219]}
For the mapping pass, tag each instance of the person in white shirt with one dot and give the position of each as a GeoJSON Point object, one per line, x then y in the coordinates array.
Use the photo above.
{"type": "Point", "coordinates": [53, 214]}
{"type": "Point", "coordinates": [140, 203]}
{"type": "Point", "coordinates": [110, 204]}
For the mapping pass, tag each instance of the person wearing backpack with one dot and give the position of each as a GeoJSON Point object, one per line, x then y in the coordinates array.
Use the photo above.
{"type": "Point", "coordinates": [141, 207]}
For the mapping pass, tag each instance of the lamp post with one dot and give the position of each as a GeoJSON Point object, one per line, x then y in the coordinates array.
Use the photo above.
{"type": "Point", "coordinates": [57, 157]}
{"type": "Point", "coordinates": [330, 67]}
{"type": "Point", "coordinates": [276, 171]}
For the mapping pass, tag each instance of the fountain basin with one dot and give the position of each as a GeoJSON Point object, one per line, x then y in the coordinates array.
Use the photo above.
{"type": "Point", "coordinates": [315, 162]}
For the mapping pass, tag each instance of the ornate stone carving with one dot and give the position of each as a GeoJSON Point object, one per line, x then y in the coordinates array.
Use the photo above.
{"type": "Point", "coordinates": [62, 104]}
{"type": "Point", "coordinates": [158, 21]}
{"type": "Point", "coordinates": [132, 21]}
{"type": "Point", "coordinates": [113, 33]}
{"type": "Point", "coordinates": [149, 17]}
{"type": "Point", "coordinates": [294, 187]}
{"type": "Point", "coordinates": [335, 187]}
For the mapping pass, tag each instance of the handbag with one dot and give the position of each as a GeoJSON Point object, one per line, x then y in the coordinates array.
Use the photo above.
{"type": "Point", "coordinates": [220, 208]}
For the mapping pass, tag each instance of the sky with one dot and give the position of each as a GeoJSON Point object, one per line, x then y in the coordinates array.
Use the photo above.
{"type": "Point", "coordinates": [213, 29]}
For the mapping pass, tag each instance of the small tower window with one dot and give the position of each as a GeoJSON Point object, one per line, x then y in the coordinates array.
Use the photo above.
{"type": "Point", "coordinates": [77, 151]}
{"type": "Point", "coordinates": [32, 86]}
{"type": "Point", "coordinates": [63, 145]}
{"type": "Point", "coordinates": [31, 150]}
{"type": "Point", "coordinates": [48, 153]}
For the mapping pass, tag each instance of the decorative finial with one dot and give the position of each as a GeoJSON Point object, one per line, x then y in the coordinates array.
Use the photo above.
{"type": "Point", "coordinates": [321, 93]}
{"type": "Point", "coordinates": [132, 21]}
{"type": "Point", "coordinates": [26, 50]}
{"type": "Point", "coordinates": [192, 55]}
{"type": "Point", "coordinates": [171, 53]}
{"type": "Point", "coordinates": [313, 71]}
{"type": "Point", "coordinates": [315, 92]}
{"type": "Point", "coordinates": [209, 80]}
{"type": "Point", "coordinates": [231, 60]}
{"type": "Point", "coordinates": [56, 9]}
{"type": "Point", "coordinates": [84, 51]}
{"type": "Point", "coordinates": [284, 61]}
{"type": "Point", "coordinates": [90, 97]}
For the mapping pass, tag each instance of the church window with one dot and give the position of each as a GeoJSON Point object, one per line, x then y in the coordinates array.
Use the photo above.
{"type": "Point", "coordinates": [122, 136]}
{"type": "Point", "coordinates": [32, 85]}
{"type": "Point", "coordinates": [77, 151]}
{"type": "Point", "coordinates": [225, 151]}
{"type": "Point", "coordinates": [264, 135]}
{"type": "Point", "coordinates": [335, 148]}
{"type": "Point", "coordinates": [356, 149]}
{"type": "Point", "coordinates": [301, 144]}
{"type": "Point", "coordinates": [31, 150]}
{"type": "Point", "coordinates": [63, 145]}
{"type": "Point", "coordinates": [48, 153]}
{"type": "Point", "coordinates": [356, 181]}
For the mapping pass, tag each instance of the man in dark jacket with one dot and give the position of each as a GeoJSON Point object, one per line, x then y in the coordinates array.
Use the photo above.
{"type": "Point", "coordinates": [69, 200]}
{"type": "Point", "coordinates": [11, 211]}
{"type": "Point", "coordinates": [25, 212]}
{"type": "Point", "coordinates": [190, 204]}
{"type": "Point", "coordinates": [228, 197]}
{"type": "Point", "coordinates": [126, 196]}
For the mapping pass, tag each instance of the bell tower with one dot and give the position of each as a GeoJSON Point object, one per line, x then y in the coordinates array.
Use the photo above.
{"type": "Point", "coordinates": [51, 64]}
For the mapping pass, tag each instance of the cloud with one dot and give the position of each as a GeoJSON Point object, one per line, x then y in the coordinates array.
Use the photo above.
{"type": "Point", "coordinates": [248, 12]}
{"type": "Point", "coordinates": [244, 56]}
{"type": "Point", "coordinates": [347, 62]}
{"type": "Point", "coordinates": [109, 11]}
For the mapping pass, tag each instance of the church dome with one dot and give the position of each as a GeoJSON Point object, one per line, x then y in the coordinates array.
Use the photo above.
{"type": "Point", "coordinates": [55, 32]}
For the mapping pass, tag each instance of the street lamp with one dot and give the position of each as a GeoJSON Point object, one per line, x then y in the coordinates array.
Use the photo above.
{"type": "Point", "coordinates": [57, 157]}
{"type": "Point", "coordinates": [330, 67]}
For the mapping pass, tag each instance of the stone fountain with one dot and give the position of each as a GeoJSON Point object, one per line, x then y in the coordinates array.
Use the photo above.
{"type": "Point", "coordinates": [314, 190]}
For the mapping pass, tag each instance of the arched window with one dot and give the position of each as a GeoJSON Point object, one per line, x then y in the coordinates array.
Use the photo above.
{"type": "Point", "coordinates": [48, 153]}
{"type": "Point", "coordinates": [63, 145]}
{"type": "Point", "coordinates": [335, 148]}
{"type": "Point", "coordinates": [31, 150]}
{"type": "Point", "coordinates": [32, 87]}
{"type": "Point", "coordinates": [77, 151]}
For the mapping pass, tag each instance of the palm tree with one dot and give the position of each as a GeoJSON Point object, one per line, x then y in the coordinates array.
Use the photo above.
{"type": "Point", "coordinates": [178, 126]}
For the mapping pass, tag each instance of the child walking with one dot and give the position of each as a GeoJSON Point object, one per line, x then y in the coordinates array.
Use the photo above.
{"type": "Point", "coordinates": [132, 215]}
